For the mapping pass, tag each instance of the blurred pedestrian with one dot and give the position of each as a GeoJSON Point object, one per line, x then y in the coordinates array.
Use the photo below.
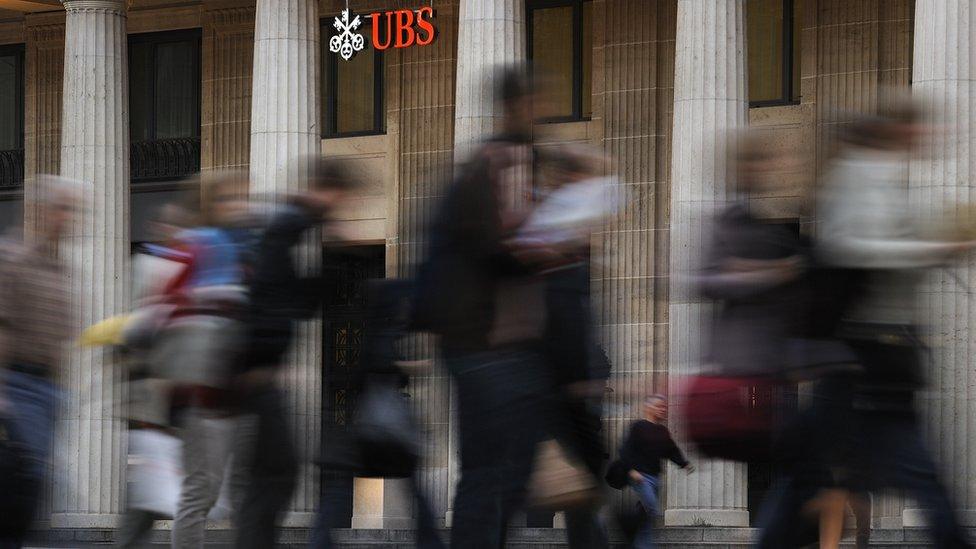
{"type": "Point", "coordinates": [279, 297]}
{"type": "Point", "coordinates": [381, 366]}
{"type": "Point", "coordinates": [35, 313]}
{"type": "Point", "coordinates": [648, 442]}
{"type": "Point", "coordinates": [480, 291]}
{"type": "Point", "coordinates": [867, 225]}
{"type": "Point", "coordinates": [199, 347]}
{"type": "Point", "coordinates": [865, 430]}
{"type": "Point", "coordinates": [578, 366]}
{"type": "Point", "coordinates": [152, 483]}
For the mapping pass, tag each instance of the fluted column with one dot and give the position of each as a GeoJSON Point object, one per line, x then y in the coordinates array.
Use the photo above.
{"type": "Point", "coordinates": [284, 129]}
{"type": "Point", "coordinates": [94, 149]}
{"type": "Point", "coordinates": [941, 177]}
{"type": "Point", "coordinates": [709, 100]}
{"type": "Point", "coordinates": [424, 126]}
{"type": "Point", "coordinates": [490, 35]}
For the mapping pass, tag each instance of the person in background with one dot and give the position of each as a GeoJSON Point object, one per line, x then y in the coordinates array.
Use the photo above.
{"type": "Point", "coordinates": [279, 297]}
{"type": "Point", "coordinates": [867, 226]}
{"type": "Point", "coordinates": [35, 325]}
{"type": "Point", "coordinates": [381, 363]}
{"type": "Point", "coordinates": [482, 293]}
{"type": "Point", "coordinates": [580, 369]}
{"type": "Point", "coordinates": [647, 443]}
{"type": "Point", "coordinates": [199, 347]}
{"type": "Point", "coordinates": [154, 266]}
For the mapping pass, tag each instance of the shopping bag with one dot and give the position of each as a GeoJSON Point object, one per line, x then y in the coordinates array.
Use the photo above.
{"type": "Point", "coordinates": [559, 481]}
{"type": "Point", "coordinates": [155, 471]}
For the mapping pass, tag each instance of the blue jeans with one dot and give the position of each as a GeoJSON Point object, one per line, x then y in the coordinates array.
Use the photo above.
{"type": "Point", "coordinates": [646, 491]}
{"type": "Point", "coordinates": [33, 402]}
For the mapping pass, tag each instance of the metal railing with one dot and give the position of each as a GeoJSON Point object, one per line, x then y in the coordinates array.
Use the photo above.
{"type": "Point", "coordinates": [11, 168]}
{"type": "Point", "coordinates": [164, 159]}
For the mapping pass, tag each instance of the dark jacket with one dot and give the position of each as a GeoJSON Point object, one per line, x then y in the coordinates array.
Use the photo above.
{"type": "Point", "coordinates": [752, 331]}
{"type": "Point", "coordinates": [458, 283]}
{"type": "Point", "coordinates": [646, 445]}
{"type": "Point", "coordinates": [278, 294]}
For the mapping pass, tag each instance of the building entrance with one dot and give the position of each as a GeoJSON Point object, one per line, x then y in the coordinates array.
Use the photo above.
{"type": "Point", "coordinates": [344, 324]}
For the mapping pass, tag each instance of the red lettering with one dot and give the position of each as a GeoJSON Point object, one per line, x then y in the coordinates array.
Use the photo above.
{"type": "Point", "coordinates": [425, 26]}
{"type": "Point", "coordinates": [376, 30]}
{"type": "Point", "coordinates": [405, 34]}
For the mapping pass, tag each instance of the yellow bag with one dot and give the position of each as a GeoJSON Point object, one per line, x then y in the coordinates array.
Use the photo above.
{"type": "Point", "coordinates": [559, 481]}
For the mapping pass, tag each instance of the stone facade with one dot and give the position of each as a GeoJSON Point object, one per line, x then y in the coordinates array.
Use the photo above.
{"type": "Point", "coordinates": [850, 52]}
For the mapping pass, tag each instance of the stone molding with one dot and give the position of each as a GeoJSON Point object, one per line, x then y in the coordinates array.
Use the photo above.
{"type": "Point", "coordinates": [118, 7]}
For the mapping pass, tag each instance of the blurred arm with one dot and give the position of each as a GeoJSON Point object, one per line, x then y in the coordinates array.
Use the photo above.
{"type": "Point", "coordinates": [866, 223]}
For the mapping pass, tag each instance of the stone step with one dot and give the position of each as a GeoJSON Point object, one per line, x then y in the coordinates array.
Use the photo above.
{"type": "Point", "coordinates": [520, 538]}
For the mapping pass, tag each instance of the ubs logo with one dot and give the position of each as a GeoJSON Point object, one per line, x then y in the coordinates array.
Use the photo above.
{"type": "Point", "coordinates": [403, 28]}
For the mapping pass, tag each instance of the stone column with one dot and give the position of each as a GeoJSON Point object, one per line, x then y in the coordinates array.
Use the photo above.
{"type": "Point", "coordinates": [285, 128]}
{"type": "Point", "coordinates": [94, 149]}
{"type": "Point", "coordinates": [422, 125]}
{"type": "Point", "coordinates": [491, 35]}
{"type": "Point", "coordinates": [710, 101]}
{"type": "Point", "coordinates": [941, 178]}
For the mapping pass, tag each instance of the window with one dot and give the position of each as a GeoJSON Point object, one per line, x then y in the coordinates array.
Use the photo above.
{"type": "Point", "coordinates": [164, 105]}
{"type": "Point", "coordinates": [773, 35]}
{"type": "Point", "coordinates": [352, 89]}
{"type": "Point", "coordinates": [11, 115]}
{"type": "Point", "coordinates": [560, 47]}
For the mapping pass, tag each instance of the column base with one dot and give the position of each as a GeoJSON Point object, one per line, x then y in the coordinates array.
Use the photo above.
{"type": "Point", "coordinates": [706, 517]}
{"type": "Point", "coordinates": [85, 520]}
{"type": "Point", "coordinates": [918, 518]}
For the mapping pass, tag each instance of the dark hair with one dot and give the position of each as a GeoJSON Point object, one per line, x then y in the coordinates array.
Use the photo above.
{"type": "Point", "coordinates": [329, 173]}
{"type": "Point", "coordinates": [515, 83]}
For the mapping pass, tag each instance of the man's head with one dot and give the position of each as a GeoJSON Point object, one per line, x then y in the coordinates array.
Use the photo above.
{"type": "Point", "coordinates": [516, 95]}
{"type": "Point", "coordinates": [223, 198]}
{"type": "Point", "coordinates": [655, 408]}
{"type": "Point", "coordinates": [330, 181]}
{"type": "Point", "coordinates": [58, 200]}
{"type": "Point", "coordinates": [761, 164]}
{"type": "Point", "coordinates": [898, 126]}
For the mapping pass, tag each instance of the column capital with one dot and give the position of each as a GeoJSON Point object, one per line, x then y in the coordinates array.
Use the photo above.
{"type": "Point", "coordinates": [116, 6]}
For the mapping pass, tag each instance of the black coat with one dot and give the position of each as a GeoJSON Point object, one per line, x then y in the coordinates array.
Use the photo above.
{"type": "Point", "coordinates": [279, 295]}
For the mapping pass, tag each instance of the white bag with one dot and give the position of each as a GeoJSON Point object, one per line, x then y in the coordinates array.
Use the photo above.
{"type": "Point", "coordinates": [155, 471]}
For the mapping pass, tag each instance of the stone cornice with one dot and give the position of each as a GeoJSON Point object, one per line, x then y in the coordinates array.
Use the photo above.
{"type": "Point", "coordinates": [106, 6]}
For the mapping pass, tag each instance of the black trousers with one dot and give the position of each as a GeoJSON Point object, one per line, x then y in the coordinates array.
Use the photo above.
{"type": "Point", "coordinates": [862, 434]}
{"type": "Point", "coordinates": [577, 424]}
{"type": "Point", "coordinates": [272, 467]}
{"type": "Point", "coordinates": [500, 415]}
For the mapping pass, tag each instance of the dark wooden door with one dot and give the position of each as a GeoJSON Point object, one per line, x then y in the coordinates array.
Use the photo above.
{"type": "Point", "coordinates": [344, 325]}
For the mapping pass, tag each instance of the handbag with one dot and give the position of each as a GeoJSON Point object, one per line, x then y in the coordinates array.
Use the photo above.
{"type": "Point", "coordinates": [383, 441]}
{"type": "Point", "coordinates": [730, 417]}
{"type": "Point", "coordinates": [559, 481]}
{"type": "Point", "coordinates": [616, 476]}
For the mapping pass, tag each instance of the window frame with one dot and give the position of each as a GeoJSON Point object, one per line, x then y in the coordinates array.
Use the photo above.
{"type": "Point", "coordinates": [577, 38]}
{"type": "Point", "coordinates": [786, 85]}
{"type": "Point", "coordinates": [330, 97]}
{"type": "Point", "coordinates": [160, 37]}
{"type": "Point", "coordinates": [19, 51]}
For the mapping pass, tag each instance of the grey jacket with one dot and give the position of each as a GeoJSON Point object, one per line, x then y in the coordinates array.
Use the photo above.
{"type": "Point", "coordinates": [757, 317]}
